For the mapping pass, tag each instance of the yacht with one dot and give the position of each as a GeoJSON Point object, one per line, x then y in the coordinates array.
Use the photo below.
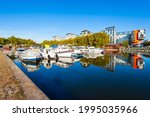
{"type": "Point", "coordinates": [64, 52]}
{"type": "Point", "coordinates": [94, 50]}
{"type": "Point", "coordinates": [31, 55]}
{"type": "Point", "coordinates": [19, 52]}
{"type": "Point", "coordinates": [59, 52]}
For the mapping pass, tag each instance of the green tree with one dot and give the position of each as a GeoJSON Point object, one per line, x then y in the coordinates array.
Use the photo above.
{"type": "Point", "coordinates": [96, 39]}
{"type": "Point", "coordinates": [125, 43]}
{"type": "Point", "coordinates": [16, 41]}
{"type": "Point", "coordinates": [2, 41]}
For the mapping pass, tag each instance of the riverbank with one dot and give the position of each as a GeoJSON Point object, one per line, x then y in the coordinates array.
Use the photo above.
{"type": "Point", "coordinates": [14, 84]}
{"type": "Point", "coordinates": [142, 49]}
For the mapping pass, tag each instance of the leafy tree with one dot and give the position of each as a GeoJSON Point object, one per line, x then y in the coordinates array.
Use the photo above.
{"type": "Point", "coordinates": [99, 61]}
{"type": "Point", "coordinates": [2, 41]}
{"type": "Point", "coordinates": [16, 41]}
{"type": "Point", "coordinates": [125, 43]}
{"type": "Point", "coordinates": [96, 39]}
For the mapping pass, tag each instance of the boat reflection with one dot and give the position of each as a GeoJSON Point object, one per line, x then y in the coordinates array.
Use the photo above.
{"type": "Point", "coordinates": [61, 62]}
{"type": "Point", "coordinates": [107, 61]}
{"type": "Point", "coordinates": [31, 66]}
{"type": "Point", "coordinates": [92, 55]}
{"type": "Point", "coordinates": [48, 63]}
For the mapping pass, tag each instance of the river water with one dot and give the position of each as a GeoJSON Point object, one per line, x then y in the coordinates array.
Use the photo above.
{"type": "Point", "coordinates": [108, 77]}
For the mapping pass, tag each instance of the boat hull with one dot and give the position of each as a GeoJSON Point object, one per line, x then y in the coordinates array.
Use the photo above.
{"type": "Point", "coordinates": [30, 58]}
{"type": "Point", "coordinates": [77, 55]}
{"type": "Point", "coordinates": [64, 54]}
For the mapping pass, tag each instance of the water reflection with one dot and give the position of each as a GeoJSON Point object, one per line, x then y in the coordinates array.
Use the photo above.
{"type": "Point", "coordinates": [108, 62]}
{"type": "Point", "coordinates": [31, 66]}
{"type": "Point", "coordinates": [112, 76]}
{"type": "Point", "coordinates": [61, 62]}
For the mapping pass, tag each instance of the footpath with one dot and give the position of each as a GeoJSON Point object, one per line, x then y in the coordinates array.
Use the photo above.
{"type": "Point", "coordinates": [14, 84]}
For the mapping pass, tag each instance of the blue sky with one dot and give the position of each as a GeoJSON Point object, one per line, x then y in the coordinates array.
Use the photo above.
{"type": "Point", "coordinates": [42, 19]}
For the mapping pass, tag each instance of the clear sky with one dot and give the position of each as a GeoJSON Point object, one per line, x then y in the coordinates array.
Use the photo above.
{"type": "Point", "coordinates": [42, 19]}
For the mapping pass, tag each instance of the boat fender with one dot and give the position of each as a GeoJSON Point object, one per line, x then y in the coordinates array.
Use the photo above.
{"type": "Point", "coordinates": [56, 56]}
{"type": "Point", "coordinates": [48, 57]}
{"type": "Point", "coordinates": [72, 59]}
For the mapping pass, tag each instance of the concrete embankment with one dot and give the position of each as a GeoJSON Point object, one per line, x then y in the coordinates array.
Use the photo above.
{"type": "Point", "coordinates": [14, 84]}
{"type": "Point", "coordinates": [141, 50]}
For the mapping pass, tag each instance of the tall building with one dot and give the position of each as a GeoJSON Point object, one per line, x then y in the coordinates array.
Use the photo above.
{"type": "Point", "coordinates": [70, 35]}
{"type": "Point", "coordinates": [111, 31]}
{"type": "Point", "coordinates": [137, 36]}
{"type": "Point", "coordinates": [133, 37]}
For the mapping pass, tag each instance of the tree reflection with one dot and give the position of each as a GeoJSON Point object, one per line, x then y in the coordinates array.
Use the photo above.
{"type": "Point", "coordinates": [99, 61]}
{"type": "Point", "coordinates": [110, 61]}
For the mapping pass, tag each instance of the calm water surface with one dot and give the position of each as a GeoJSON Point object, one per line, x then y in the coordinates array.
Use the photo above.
{"type": "Point", "coordinates": [113, 77]}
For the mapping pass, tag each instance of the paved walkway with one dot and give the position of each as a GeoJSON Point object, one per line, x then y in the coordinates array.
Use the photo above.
{"type": "Point", "coordinates": [14, 84]}
{"type": "Point", "coordinates": [9, 86]}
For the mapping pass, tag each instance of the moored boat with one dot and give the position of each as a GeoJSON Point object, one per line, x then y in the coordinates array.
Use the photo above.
{"type": "Point", "coordinates": [60, 52]}
{"type": "Point", "coordinates": [19, 52]}
{"type": "Point", "coordinates": [77, 55]}
{"type": "Point", "coordinates": [31, 55]}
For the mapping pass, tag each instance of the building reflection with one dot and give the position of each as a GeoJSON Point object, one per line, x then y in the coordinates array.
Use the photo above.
{"type": "Point", "coordinates": [133, 60]}
{"type": "Point", "coordinates": [137, 61]}
{"type": "Point", "coordinates": [110, 61]}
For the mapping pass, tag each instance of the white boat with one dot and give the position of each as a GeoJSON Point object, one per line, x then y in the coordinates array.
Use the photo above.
{"type": "Point", "coordinates": [66, 52]}
{"type": "Point", "coordinates": [19, 52]}
{"type": "Point", "coordinates": [77, 53]}
{"type": "Point", "coordinates": [92, 49]}
{"type": "Point", "coordinates": [63, 52]}
{"type": "Point", "coordinates": [48, 53]}
{"type": "Point", "coordinates": [95, 50]}
{"type": "Point", "coordinates": [60, 52]}
{"type": "Point", "coordinates": [31, 55]}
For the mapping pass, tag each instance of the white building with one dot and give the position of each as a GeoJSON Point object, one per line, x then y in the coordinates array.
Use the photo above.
{"type": "Point", "coordinates": [70, 35]}
{"type": "Point", "coordinates": [58, 38]}
{"type": "Point", "coordinates": [142, 34]}
{"type": "Point", "coordinates": [111, 31]}
{"type": "Point", "coordinates": [85, 33]}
